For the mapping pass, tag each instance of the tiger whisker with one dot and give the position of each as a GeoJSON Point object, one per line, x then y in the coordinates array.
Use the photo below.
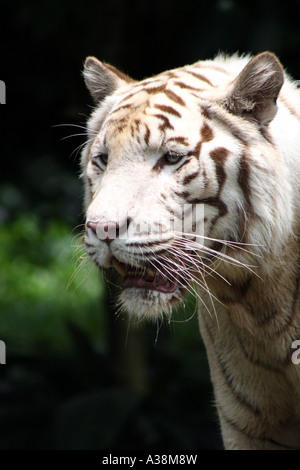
{"type": "Point", "coordinates": [227, 258]}
{"type": "Point", "coordinates": [203, 247]}
{"type": "Point", "coordinates": [84, 262]}
{"type": "Point", "coordinates": [190, 289]}
{"type": "Point", "coordinates": [232, 244]}
{"type": "Point", "coordinates": [77, 126]}
{"type": "Point", "coordinates": [203, 284]}
{"type": "Point", "coordinates": [204, 266]}
{"type": "Point", "coordinates": [78, 227]}
{"type": "Point", "coordinates": [169, 274]}
{"type": "Point", "coordinates": [77, 149]}
{"type": "Point", "coordinates": [76, 135]}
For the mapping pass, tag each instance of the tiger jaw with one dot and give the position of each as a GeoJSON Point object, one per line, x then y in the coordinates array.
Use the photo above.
{"type": "Point", "coordinates": [147, 292]}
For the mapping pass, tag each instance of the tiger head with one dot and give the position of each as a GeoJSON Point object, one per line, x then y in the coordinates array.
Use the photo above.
{"type": "Point", "coordinates": [184, 185]}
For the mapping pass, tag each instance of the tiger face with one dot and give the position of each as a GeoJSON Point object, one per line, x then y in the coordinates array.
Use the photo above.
{"type": "Point", "coordinates": [182, 177]}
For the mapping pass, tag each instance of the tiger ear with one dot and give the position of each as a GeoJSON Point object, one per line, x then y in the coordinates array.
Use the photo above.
{"type": "Point", "coordinates": [102, 79]}
{"type": "Point", "coordinates": [254, 92]}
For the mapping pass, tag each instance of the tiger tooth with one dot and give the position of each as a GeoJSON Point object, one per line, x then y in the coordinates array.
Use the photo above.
{"type": "Point", "coordinates": [150, 272]}
{"type": "Point", "coordinates": [120, 267]}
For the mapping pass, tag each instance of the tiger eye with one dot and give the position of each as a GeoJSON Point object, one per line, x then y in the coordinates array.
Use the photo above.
{"type": "Point", "coordinates": [101, 159]}
{"type": "Point", "coordinates": [172, 158]}
{"type": "Point", "coordinates": [104, 158]}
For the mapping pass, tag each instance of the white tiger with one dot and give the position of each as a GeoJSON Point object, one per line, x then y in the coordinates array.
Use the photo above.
{"type": "Point", "coordinates": [223, 135]}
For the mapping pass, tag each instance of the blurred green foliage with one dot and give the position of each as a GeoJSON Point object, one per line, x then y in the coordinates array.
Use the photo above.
{"type": "Point", "coordinates": [45, 280]}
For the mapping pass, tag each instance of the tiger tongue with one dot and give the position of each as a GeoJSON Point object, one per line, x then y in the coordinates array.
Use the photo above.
{"type": "Point", "coordinates": [146, 281]}
{"type": "Point", "coordinates": [145, 278]}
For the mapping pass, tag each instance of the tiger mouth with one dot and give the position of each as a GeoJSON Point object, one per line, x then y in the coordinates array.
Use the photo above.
{"type": "Point", "coordinates": [147, 278]}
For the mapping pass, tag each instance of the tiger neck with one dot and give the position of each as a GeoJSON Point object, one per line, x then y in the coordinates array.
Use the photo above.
{"type": "Point", "coordinates": [265, 304]}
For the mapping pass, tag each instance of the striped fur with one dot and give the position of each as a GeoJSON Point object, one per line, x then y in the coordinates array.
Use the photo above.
{"type": "Point", "coordinates": [223, 134]}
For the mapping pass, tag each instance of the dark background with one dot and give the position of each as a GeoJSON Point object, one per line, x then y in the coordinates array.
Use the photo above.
{"type": "Point", "coordinates": [77, 377]}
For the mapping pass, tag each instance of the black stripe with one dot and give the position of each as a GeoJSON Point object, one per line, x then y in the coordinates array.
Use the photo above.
{"type": "Point", "coordinates": [250, 436]}
{"type": "Point", "coordinates": [190, 177]}
{"type": "Point", "coordinates": [183, 194]}
{"type": "Point", "coordinates": [199, 77]}
{"type": "Point", "coordinates": [179, 140]}
{"type": "Point", "coordinates": [174, 97]}
{"type": "Point", "coordinates": [212, 201]}
{"type": "Point", "coordinates": [167, 109]}
{"type": "Point", "coordinates": [236, 394]}
{"type": "Point", "coordinates": [94, 162]}
{"type": "Point", "coordinates": [149, 243]}
{"type": "Point", "coordinates": [89, 245]}
{"type": "Point", "coordinates": [188, 87]}
{"type": "Point", "coordinates": [166, 123]}
{"type": "Point", "coordinates": [182, 164]}
{"type": "Point", "coordinates": [294, 310]}
{"type": "Point", "coordinates": [259, 363]}
{"type": "Point", "coordinates": [221, 116]}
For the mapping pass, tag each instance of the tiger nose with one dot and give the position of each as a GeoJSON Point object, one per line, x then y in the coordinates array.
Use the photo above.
{"type": "Point", "coordinates": [105, 231]}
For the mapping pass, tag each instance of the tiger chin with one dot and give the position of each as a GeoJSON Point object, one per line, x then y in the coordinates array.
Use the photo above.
{"type": "Point", "coordinates": [214, 144]}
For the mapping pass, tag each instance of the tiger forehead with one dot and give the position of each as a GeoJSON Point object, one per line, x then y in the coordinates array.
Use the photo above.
{"type": "Point", "coordinates": [189, 78]}
{"type": "Point", "coordinates": [155, 116]}
{"type": "Point", "coordinates": [146, 99]}
{"type": "Point", "coordinates": [178, 87]}
{"type": "Point", "coordinates": [159, 108]}
{"type": "Point", "coordinates": [153, 125]}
